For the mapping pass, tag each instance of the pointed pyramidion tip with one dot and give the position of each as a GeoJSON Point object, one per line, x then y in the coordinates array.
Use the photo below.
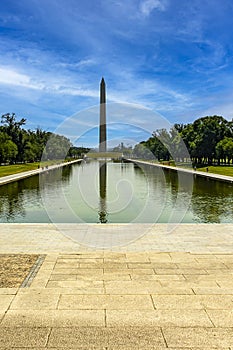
{"type": "Point", "coordinates": [102, 80]}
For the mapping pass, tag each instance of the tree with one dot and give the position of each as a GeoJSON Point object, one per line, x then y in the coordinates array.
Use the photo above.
{"type": "Point", "coordinates": [8, 149]}
{"type": "Point", "coordinates": [224, 149]}
{"type": "Point", "coordinates": [57, 147]}
{"type": "Point", "coordinates": [20, 145]}
{"type": "Point", "coordinates": [76, 152]}
{"type": "Point", "coordinates": [157, 148]}
{"type": "Point", "coordinates": [202, 136]}
{"type": "Point", "coordinates": [10, 123]}
{"type": "Point", "coordinates": [13, 129]}
{"type": "Point", "coordinates": [142, 151]}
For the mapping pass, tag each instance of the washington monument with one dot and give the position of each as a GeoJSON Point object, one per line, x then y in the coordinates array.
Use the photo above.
{"type": "Point", "coordinates": [102, 129]}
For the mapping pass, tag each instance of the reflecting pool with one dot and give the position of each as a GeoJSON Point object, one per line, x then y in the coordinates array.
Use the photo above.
{"type": "Point", "coordinates": [99, 192]}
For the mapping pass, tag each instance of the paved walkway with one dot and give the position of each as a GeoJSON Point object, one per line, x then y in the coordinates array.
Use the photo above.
{"type": "Point", "coordinates": [69, 238]}
{"type": "Point", "coordinates": [177, 294]}
{"type": "Point", "coordinates": [187, 171]}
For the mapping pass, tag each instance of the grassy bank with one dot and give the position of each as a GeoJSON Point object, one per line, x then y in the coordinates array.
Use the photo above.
{"type": "Point", "coordinates": [221, 170]}
{"type": "Point", "coordinates": [6, 170]}
{"type": "Point", "coordinates": [17, 168]}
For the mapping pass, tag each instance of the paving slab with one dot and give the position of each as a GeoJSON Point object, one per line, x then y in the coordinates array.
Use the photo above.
{"type": "Point", "coordinates": [212, 290]}
{"type": "Point", "coordinates": [117, 276]}
{"type": "Point", "coordinates": [91, 286]}
{"type": "Point", "coordinates": [64, 277]}
{"type": "Point", "coordinates": [130, 271]}
{"type": "Point", "coordinates": [210, 277]}
{"type": "Point", "coordinates": [131, 287]}
{"type": "Point", "coordinates": [5, 301]}
{"type": "Point", "coordinates": [189, 284]}
{"type": "Point", "coordinates": [143, 287]}
{"type": "Point", "coordinates": [54, 318]}
{"type": "Point", "coordinates": [198, 337]}
{"type": "Point", "coordinates": [204, 265]}
{"type": "Point", "coordinates": [221, 318]}
{"type": "Point", "coordinates": [35, 300]}
{"type": "Point", "coordinates": [24, 337]}
{"type": "Point", "coordinates": [152, 265]}
{"type": "Point", "coordinates": [8, 291]}
{"type": "Point", "coordinates": [159, 278]}
{"type": "Point", "coordinates": [159, 256]}
{"type": "Point", "coordinates": [189, 271]}
{"type": "Point", "coordinates": [224, 282]}
{"type": "Point", "coordinates": [193, 302]}
{"type": "Point", "coordinates": [117, 336]}
{"type": "Point", "coordinates": [108, 302]}
{"type": "Point", "coordinates": [89, 276]}
{"type": "Point", "coordinates": [105, 265]}
{"type": "Point", "coordinates": [72, 271]}
{"type": "Point", "coordinates": [158, 318]}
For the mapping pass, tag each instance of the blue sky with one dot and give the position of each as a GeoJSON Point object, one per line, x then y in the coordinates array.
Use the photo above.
{"type": "Point", "coordinates": [174, 57]}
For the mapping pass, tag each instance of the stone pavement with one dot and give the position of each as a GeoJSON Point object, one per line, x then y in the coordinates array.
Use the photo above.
{"type": "Point", "coordinates": [123, 299]}
{"type": "Point", "coordinates": [69, 238]}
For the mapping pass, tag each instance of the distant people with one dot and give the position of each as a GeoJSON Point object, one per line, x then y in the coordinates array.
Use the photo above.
{"type": "Point", "coordinates": [195, 168]}
{"type": "Point", "coordinates": [207, 169]}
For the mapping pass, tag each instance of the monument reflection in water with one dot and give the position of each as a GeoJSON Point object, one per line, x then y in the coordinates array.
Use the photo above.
{"type": "Point", "coordinates": [102, 192]}
{"type": "Point", "coordinates": [102, 149]}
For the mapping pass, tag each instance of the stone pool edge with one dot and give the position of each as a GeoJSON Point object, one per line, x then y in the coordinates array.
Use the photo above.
{"type": "Point", "coordinates": [47, 238]}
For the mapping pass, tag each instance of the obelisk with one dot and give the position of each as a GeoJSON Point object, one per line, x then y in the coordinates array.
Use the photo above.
{"type": "Point", "coordinates": [102, 129]}
{"type": "Point", "coordinates": [102, 149]}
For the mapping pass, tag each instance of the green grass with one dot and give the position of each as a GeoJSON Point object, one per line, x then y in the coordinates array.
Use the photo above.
{"type": "Point", "coordinates": [221, 170]}
{"type": "Point", "coordinates": [6, 170]}
{"type": "Point", "coordinates": [19, 168]}
{"type": "Point", "coordinates": [16, 168]}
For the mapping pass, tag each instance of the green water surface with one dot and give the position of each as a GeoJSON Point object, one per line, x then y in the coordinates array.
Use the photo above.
{"type": "Point", "coordinates": [116, 193]}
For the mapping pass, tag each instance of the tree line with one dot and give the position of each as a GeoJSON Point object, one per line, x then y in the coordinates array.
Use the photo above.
{"type": "Point", "coordinates": [208, 141]}
{"type": "Point", "coordinates": [18, 145]}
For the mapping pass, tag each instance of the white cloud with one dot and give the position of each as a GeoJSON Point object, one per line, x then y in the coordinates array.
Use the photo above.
{"type": "Point", "coordinates": [147, 6]}
{"type": "Point", "coordinates": [82, 63]}
{"type": "Point", "coordinates": [9, 76]}
{"type": "Point", "coordinates": [147, 93]}
{"type": "Point", "coordinates": [77, 91]}
{"type": "Point", "coordinates": [224, 108]}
